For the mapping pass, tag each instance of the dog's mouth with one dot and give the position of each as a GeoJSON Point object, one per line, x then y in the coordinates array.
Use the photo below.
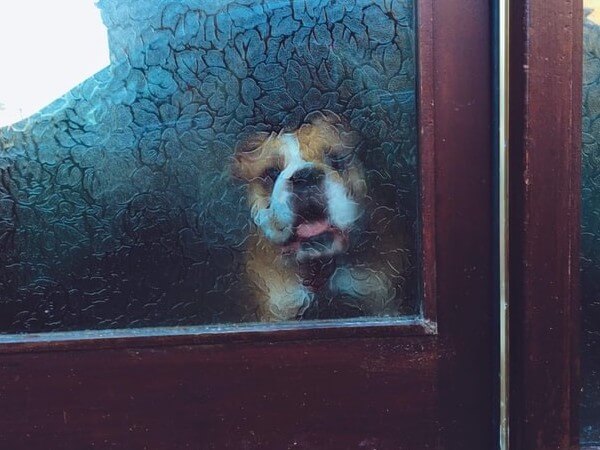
{"type": "Point", "coordinates": [317, 239]}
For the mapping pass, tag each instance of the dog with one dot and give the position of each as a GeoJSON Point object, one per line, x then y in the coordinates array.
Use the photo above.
{"type": "Point", "coordinates": [318, 229]}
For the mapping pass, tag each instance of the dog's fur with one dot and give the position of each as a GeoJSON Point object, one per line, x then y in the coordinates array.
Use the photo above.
{"type": "Point", "coordinates": [308, 197]}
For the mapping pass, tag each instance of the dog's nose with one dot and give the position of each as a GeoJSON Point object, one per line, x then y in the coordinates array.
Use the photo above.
{"type": "Point", "coordinates": [308, 176]}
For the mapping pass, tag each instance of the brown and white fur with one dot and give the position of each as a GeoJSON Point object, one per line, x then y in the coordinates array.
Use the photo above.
{"type": "Point", "coordinates": [308, 197]}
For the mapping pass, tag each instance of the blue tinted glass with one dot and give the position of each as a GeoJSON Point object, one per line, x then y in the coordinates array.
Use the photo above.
{"type": "Point", "coordinates": [233, 161]}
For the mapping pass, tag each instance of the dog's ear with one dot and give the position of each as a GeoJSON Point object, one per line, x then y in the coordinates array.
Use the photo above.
{"type": "Point", "coordinates": [327, 118]}
{"type": "Point", "coordinates": [246, 152]}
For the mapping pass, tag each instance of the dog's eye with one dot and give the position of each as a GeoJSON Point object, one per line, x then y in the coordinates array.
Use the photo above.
{"type": "Point", "coordinates": [340, 162]}
{"type": "Point", "coordinates": [271, 174]}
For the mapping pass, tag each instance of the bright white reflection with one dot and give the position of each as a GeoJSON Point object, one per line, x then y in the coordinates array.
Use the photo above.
{"type": "Point", "coordinates": [46, 49]}
{"type": "Point", "coordinates": [594, 6]}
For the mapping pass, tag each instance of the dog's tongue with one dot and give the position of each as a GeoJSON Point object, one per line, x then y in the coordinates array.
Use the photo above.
{"type": "Point", "coordinates": [307, 230]}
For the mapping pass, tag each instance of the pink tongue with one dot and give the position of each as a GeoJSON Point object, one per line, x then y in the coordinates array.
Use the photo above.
{"type": "Point", "coordinates": [307, 230]}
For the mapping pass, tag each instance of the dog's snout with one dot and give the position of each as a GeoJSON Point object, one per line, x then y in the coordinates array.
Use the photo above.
{"type": "Point", "coordinates": [308, 176]}
{"type": "Point", "coordinates": [308, 189]}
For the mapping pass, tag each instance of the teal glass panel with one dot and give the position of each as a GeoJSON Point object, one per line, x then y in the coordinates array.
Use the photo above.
{"type": "Point", "coordinates": [233, 161]}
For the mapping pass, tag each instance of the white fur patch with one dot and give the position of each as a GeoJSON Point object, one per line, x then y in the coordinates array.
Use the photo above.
{"type": "Point", "coordinates": [274, 229]}
{"type": "Point", "coordinates": [372, 289]}
{"type": "Point", "coordinates": [289, 303]}
{"type": "Point", "coordinates": [292, 149]}
{"type": "Point", "coordinates": [277, 220]}
{"type": "Point", "coordinates": [343, 211]}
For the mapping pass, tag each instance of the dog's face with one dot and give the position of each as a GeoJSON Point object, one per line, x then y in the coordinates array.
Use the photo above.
{"type": "Point", "coordinates": [306, 188]}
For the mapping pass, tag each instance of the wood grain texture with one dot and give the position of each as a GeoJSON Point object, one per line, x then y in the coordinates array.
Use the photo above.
{"type": "Point", "coordinates": [463, 155]}
{"type": "Point", "coordinates": [544, 222]}
{"type": "Point", "coordinates": [315, 395]}
{"type": "Point", "coordinates": [322, 389]}
{"type": "Point", "coordinates": [426, 139]}
{"type": "Point", "coordinates": [185, 336]}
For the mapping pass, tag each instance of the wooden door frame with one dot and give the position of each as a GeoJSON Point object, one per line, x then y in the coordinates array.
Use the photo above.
{"type": "Point", "coordinates": [424, 385]}
{"type": "Point", "coordinates": [545, 154]}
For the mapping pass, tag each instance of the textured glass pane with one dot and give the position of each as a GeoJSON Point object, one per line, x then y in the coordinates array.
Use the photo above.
{"type": "Point", "coordinates": [236, 161]}
{"type": "Point", "coordinates": [590, 237]}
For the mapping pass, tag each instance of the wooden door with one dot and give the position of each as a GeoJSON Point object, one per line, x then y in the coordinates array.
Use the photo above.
{"type": "Point", "coordinates": [545, 146]}
{"type": "Point", "coordinates": [415, 381]}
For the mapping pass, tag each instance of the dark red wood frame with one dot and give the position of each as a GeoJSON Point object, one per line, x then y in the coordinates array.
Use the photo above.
{"type": "Point", "coordinates": [545, 129]}
{"type": "Point", "coordinates": [424, 384]}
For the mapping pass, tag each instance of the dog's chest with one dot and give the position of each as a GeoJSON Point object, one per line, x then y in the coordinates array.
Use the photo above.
{"type": "Point", "coordinates": [316, 274]}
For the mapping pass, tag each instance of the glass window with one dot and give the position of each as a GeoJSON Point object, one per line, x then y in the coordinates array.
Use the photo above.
{"type": "Point", "coordinates": [223, 162]}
